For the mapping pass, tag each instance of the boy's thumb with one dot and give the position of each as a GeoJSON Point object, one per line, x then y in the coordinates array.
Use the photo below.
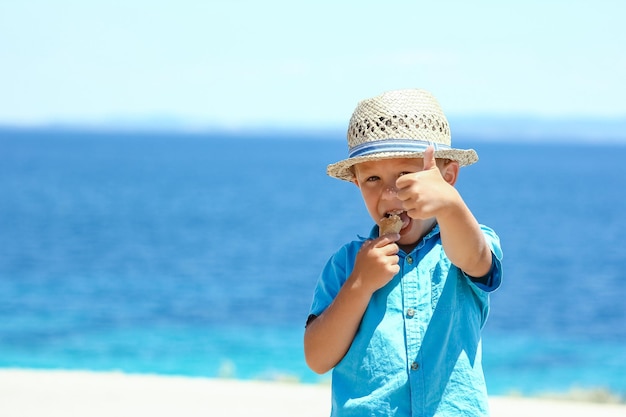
{"type": "Point", "coordinates": [429, 158]}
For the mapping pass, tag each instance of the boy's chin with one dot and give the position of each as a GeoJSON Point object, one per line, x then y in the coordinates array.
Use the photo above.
{"type": "Point", "coordinates": [412, 234]}
{"type": "Point", "coordinates": [407, 239]}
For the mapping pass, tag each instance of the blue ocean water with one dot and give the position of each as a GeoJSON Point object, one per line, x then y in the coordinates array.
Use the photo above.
{"type": "Point", "coordinates": [197, 254]}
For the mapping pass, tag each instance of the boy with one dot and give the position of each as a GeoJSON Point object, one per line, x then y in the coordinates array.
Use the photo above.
{"type": "Point", "coordinates": [398, 317]}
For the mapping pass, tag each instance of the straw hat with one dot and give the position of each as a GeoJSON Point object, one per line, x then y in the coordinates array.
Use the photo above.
{"type": "Point", "coordinates": [398, 124]}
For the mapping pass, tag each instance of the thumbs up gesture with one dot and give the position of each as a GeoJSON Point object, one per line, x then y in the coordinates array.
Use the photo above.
{"type": "Point", "coordinates": [429, 159]}
{"type": "Point", "coordinates": [424, 194]}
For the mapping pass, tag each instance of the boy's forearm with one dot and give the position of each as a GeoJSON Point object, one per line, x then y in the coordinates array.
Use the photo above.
{"type": "Point", "coordinates": [463, 240]}
{"type": "Point", "coordinates": [329, 336]}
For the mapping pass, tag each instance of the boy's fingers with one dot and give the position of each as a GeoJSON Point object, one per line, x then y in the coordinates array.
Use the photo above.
{"type": "Point", "coordinates": [429, 158]}
{"type": "Point", "coordinates": [384, 240]}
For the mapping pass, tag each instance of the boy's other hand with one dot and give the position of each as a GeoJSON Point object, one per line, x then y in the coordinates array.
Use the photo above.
{"type": "Point", "coordinates": [377, 262]}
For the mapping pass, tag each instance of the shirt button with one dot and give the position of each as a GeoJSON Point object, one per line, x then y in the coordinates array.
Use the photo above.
{"type": "Point", "coordinates": [410, 312]}
{"type": "Point", "coordinates": [415, 366]}
{"type": "Point", "coordinates": [409, 260]}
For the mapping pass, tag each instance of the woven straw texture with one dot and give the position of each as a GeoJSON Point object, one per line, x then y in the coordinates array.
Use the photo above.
{"type": "Point", "coordinates": [401, 114]}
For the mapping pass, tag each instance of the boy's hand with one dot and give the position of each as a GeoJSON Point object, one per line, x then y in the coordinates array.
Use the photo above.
{"type": "Point", "coordinates": [425, 193]}
{"type": "Point", "coordinates": [377, 262]}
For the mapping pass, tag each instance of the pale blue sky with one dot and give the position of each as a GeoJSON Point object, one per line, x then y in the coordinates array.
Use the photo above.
{"type": "Point", "coordinates": [242, 63]}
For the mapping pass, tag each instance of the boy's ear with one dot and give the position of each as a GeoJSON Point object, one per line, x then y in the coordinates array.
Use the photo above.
{"type": "Point", "coordinates": [450, 172]}
{"type": "Point", "coordinates": [354, 180]}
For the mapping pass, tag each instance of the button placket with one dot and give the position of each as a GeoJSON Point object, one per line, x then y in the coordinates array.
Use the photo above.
{"type": "Point", "coordinates": [412, 326]}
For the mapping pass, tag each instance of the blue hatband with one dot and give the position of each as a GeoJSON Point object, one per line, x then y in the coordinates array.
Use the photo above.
{"type": "Point", "coordinates": [393, 145]}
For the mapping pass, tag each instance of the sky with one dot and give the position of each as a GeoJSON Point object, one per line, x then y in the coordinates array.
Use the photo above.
{"type": "Point", "coordinates": [284, 63]}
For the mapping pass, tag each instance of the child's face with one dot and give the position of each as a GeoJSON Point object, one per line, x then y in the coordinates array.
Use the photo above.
{"type": "Point", "coordinates": [377, 182]}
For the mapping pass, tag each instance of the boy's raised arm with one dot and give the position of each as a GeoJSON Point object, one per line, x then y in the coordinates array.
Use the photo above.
{"type": "Point", "coordinates": [463, 240]}
{"type": "Point", "coordinates": [431, 193]}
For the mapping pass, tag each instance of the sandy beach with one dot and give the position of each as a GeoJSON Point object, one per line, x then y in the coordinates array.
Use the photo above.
{"type": "Point", "coordinates": [30, 393]}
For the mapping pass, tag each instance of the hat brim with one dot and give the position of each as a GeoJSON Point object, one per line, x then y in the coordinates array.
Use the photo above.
{"type": "Point", "coordinates": [342, 169]}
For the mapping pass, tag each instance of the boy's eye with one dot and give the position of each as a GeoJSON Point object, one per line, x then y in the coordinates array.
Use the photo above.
{"type": "Point", "coordinates": [373, 178]}
{"type": "Point", "coordinates": [404, 173]}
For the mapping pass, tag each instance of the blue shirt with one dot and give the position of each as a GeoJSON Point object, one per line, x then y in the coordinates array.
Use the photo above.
{"type": "Point", "coordinates": [417, 351]}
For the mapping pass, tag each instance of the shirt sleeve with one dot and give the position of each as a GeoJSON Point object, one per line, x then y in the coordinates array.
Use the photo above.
{"type": "Point", "coordinates": [492, 280]}
{"type": "Point", "coordinates": [333, 276]}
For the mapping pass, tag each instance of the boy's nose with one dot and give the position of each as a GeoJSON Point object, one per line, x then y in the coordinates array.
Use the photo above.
{"type": "Point", "coordinates": [391, 191]}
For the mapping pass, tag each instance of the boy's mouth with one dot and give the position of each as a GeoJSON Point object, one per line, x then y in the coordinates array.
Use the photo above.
{"type": "Point", "coordinates": [399, 215]}
{"type": "Point", "coordinates": [397, 212]}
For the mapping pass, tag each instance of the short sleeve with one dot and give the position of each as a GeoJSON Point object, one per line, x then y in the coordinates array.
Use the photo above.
{"type": "Point", "coordinates": [492, 280]}
{"type": "Point", "coordinates": [333, 276]}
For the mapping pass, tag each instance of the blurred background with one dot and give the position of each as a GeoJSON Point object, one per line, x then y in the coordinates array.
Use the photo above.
{"type": "Point", "coordinates": [164, 206]}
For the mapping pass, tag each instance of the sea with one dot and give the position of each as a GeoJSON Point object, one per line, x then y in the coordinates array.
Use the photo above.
{"type": "Point", "coordinates": [196, 253]}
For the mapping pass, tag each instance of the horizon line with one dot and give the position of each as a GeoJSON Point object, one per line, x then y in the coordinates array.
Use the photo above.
{"type": "Point", "coordinates": [483, 128]}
